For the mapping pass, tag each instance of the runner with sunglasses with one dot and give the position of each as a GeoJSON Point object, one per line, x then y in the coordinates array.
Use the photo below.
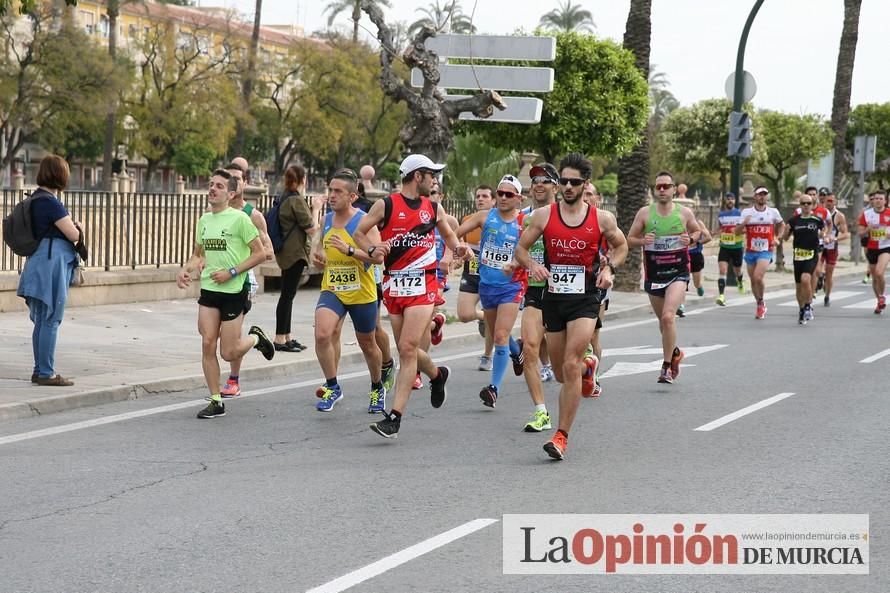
{"type": "Point", "coordinates": [665, 230]}
{"type": "Point", "coordinates": [577, 278]}
{"type": "Point", "coordinates": [501, 283]}
{"type": "Point", "coordinates": [809, 230]}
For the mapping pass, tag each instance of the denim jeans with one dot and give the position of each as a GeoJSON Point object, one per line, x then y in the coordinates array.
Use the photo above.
{"type": "Point", "coordinates": [43, 338]}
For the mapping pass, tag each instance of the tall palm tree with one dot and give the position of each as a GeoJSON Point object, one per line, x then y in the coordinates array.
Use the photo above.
{"type": "Point", "coordinates": [445, 18]}
{"type": "Point", "coordinates": [568, 17]}
{"type": "Point", "coordinates": [661, 100]}
{"type": "Point", "coordinates": [633, 170]}
{"type": "Point", "coordinates": [249, 78]}
{"type": "Point", "coordinates": [335, 7]}
{"type": "Point", "coordinates": [843, 86]}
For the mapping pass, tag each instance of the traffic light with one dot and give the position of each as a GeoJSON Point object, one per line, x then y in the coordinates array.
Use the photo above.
{"type": "Point", "coordinates": [739, 134]}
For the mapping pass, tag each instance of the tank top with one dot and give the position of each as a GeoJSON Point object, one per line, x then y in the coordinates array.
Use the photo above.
{"type": "Point", "coordinates": [499, 241]}
{"type": "Point", "coordinates": [832, 244]}
{"type": "Point", "coordinates": [728, 219]}
{"type": "Point", "coordinates": [536, 251]}
{"type": "Point", "coordinates": [760, 230]}
{"type": "Point", "coordinates": [666, 258]}
{"type": "Point", "coordinates": [350, 279]}
{"type": "Point", "coordinates": [878, 225]}
{"type": "Point", "coordinates": [572, 256]}
{"type": "Point", "coordinates": [471, 267]}
{"type": "Point", "coordinates": [408, 227]}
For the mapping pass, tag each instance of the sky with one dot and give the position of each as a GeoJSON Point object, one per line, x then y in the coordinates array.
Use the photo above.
{"type": "Point", "coordinates": [791, 52]}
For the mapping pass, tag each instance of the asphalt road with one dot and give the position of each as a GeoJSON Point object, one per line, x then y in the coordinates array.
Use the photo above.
{"type": "Point", "coordinates": [275, 497]}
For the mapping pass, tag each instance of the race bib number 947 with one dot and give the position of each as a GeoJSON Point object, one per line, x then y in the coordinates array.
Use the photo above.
{"type": "Point", "coordinates": [566, 279]}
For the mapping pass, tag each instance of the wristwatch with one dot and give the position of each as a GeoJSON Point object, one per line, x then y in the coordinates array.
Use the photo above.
{"type": "Point", "coordinates": [611, 266]}
{"type": "Point", "coordinates": [233, 272]}
{"type": "Point", "coordinates": [351, 251]}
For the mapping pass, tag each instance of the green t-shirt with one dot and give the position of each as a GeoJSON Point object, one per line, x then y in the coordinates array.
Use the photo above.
{"type": "Point", "coordinates": [536, 251]}
{"type": "Point", "coordinates": [225, 237]}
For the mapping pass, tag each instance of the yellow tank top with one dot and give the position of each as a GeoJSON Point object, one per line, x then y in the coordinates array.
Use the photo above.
{"type": "Point", "coordinates": [347, 277]}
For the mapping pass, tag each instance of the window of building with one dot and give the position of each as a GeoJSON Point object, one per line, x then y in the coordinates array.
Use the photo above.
{"type": "Point", "coordinates": [88, 21]}
{"type": "Point", "coordinates": [104, 28]}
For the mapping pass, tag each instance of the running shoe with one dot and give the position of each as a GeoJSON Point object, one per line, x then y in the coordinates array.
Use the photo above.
{"type": "Point", "coordinates": [319, 391]}
{"type": "Point", "coordinates": [376, 401]}
{"type": "Point", "coordinates": [665, 376]}
{"type": "Point", "coordinates": [820, 282]}
{"type": "Point", "coordinates": [388, 428]}
{"type": "Point", "coordinates": [761, 310]}
{"type": "Point", "coordinates": [700, 290]}
{"type": "Point", "coordinates": [676, 358]}
{"type": "Point", "coordinates": [484, 363]}
{"type": "Point", "coordinates": [540, 421]}
{"type": "Point", "coordinates": [741, 286]}
{"type": "Point", "coordinates": [547, 374]}
{"type": "Point", "coordinates": [866, 279]}
{"type": "Point", "coordinates": [438, 392]}
{"type": "Point", "coordinates": [518, 360]}
{"type": "Point", "coordinates": [826, 301]}
{"type": "Point", "coordinates": [597, 389]}
{"type": "Point", "coordinates": [418, 382]}
{"type": "Point", "coordinates": [882, 302]}
{"type": "Point", "coordinates": [230, 389]}
{"type": "Point", "coordinates": [329, 399]}
{"type": "Point", "coordinates": [489, 396]}
{"type": "Point", "coordinates": [481, 325]}
{"type": "Point", "coordinates": [436, 332]}
{"type": "Point", "coordinates": [721, 300]}
{"type": "Point", "coordinates": [388, 377]}
{"type": "Point", "coordinates": [802, 317]}
{"type": "Point", "coordinates": [588, 376]}
{"type": "Point", "coordinates": [264, 344]}
{"type": "Point", "coordinates": [808, 313]}
{"type": "Point", "coordinates": [556, 447]}
{"type": "Point", "coordinates": [213, 410]}
{"type": "Point", "coordinates": [681, 311]}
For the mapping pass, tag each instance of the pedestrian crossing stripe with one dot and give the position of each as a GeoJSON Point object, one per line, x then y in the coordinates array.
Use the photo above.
{"type": "Point", "coordinates": [835, 296]}
{"type": "Point", "coordinates": [868, 304]}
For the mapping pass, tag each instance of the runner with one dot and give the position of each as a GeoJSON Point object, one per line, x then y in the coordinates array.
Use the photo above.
{"type": "Point", "coordinates": [875, 222]}
{"type": "Point", "coordinates": [227, 245]}
{"type": "Point", "coordinates": [807, 229]}
{"type": "Point", "coordinates": [590, 386]}
{"type": "Point", "coordinates": [501, 283]}
{"type": "Point", "coordinates": [818, 277]}
{"type": "Point", "coordinates": [761, 225]}
{"type": "Point", "coordinates": [347, 286]}
{"type": "Point", "coordinates": [577, 276]}
{"type": "Point", "coordinates": [468, 296]}
{"type": "Point", "coordinates": [406, 221]}
{"type": "Point", "coordinates": [232, 387]}
{"type": "Point", "coordinates": [839, 232]}
{"type": "Point", "coordinates": [665, 231]}
{"type": "Point", "coordinates": [731, 247]}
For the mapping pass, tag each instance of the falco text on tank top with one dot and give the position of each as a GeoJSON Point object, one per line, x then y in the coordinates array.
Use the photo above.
{"type": "Point", "coordinates": [572, 255]}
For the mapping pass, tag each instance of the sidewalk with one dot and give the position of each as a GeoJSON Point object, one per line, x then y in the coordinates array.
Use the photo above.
{"type": "Point", "coordinates": [134, 350]}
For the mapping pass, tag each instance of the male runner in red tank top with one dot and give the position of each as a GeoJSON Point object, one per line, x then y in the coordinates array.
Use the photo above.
{"type": "Point", "coordinates": [407, 221]}
{"type": "Point", "coordinates": [577, 278]}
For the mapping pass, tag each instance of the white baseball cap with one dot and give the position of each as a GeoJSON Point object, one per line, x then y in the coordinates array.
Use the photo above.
{"type": "Point", "coordinates": [413, 162]}
{"type": "Point", "coordinates": [511, 180]}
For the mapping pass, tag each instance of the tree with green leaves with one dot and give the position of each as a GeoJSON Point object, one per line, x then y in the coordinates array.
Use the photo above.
{"type": "Point", "coordinates": [568, 17]}
{"type": "Point", "coordinates": [788, 141]}
{"type": "Point", "coordinates": [444, 18]}
{"type": "Point", "coordinates": [873, 119]}
{"type": "Point", "coordinates": [472, 162]}
{"type": "Point", "coordinates": [354, 7]}
{"type": "Point", "coordinates": [598, 105]}
{"type": "Point", "coordinates": [696, 138]}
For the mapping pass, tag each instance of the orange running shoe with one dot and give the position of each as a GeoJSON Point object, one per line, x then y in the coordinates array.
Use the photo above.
{"type": "Point", "coordinates": [556, 447]}
{"type": "Point", "coordinates": [676, 357]}
{"type": "Point", "coordinates": [588, 376]}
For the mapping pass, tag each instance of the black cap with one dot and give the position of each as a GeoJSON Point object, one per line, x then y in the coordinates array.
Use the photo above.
{"type": "Point", "coordinates": [729, 194]}
{"type": "Point", "coordinates": [544, 170]}
{"type": "Point", "coordinates": [824, 191]}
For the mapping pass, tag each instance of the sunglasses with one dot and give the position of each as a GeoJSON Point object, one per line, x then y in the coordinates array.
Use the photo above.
{"type": "Point", "coordinates": [660, 186]}
{"type": "Point", "coordinates": [541, 179]}
{"type": "Point", "coordinates": [806, 203]}
{"type": "Point", "coordinates": [434, 193]}
{"type": "Point", "coordinates": [574, 181]}
{"type": "Point", "coordinates": [506, 194]}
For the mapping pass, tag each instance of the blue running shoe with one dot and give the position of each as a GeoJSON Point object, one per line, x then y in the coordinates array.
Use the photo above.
{"type": "Point", "coordinates": [377, 401]}
{"type": "Point", "coordinates": [329, 399]}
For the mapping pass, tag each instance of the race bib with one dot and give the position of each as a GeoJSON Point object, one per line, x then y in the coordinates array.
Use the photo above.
{"type": "Point", "coordinates": [803, 254]}
{"type": "Point", "coordinates": [566, 279]}
{"type": "Point", "coordinates": [666, 243]}
{"type": "Point", "coordinates": [343, 278]}
{"type": "Point", "coordinates": [537, 256]}
{"type": "Point", "coordinates": [407, 283]}
{"type": "Point", "coordinates": [877, 234]}
{"type": "Point", "coordinates": [759, 244]}
{"type": "Point", "coordinates": [474, 266]}
{"type": "Point", "coordinates": [496, 257]}
{"type": "Point", "coordinates": [729, 238]}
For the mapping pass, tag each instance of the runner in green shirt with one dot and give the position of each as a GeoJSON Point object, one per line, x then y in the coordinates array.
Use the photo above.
{"type": "Point", "coordinates": [227, 245]}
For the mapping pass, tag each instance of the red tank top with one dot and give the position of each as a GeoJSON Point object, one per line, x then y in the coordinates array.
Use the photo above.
{"type": "Point", "coordinates": [409, 227]}
{"type": "Point", "coordinates": [566, 249]}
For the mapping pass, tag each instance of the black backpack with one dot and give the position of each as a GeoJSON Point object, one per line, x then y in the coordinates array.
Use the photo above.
{"type": "Point", "coordinates": [273, 223]}
{"type": "Point", "coordinates": [18, 227]}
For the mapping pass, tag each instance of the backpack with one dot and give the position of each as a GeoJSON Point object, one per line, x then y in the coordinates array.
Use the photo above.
{"type": "Point", "coordinates": [18, 227]}
{"type": "Point", "coordinates": [273, 223]}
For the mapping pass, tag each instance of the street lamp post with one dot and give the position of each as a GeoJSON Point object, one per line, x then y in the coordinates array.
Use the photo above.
{"type": "Point", "coordinates": [739, 95]}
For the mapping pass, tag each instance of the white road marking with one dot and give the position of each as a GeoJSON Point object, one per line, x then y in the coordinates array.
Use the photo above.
{"type": "Point", "coordinates": [743, 412]}
{"type": "Point", "coordinates": [866, 304]}
{"type": "Point", "coordinates": [875, 357]}
{"type": "Point", "coordinates": [401, 557]}
{"type": "Point", "coordinates": [835, 296]}
{"type": "Point", "coordinates": [621, 369]}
